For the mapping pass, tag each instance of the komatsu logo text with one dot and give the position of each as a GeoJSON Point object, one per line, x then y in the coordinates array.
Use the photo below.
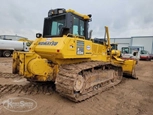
{"type": "Point", "coordinates": [48, 43]}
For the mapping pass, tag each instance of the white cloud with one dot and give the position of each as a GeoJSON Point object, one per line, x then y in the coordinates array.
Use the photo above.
{"type": "Point", "coordinates": [124, 18]}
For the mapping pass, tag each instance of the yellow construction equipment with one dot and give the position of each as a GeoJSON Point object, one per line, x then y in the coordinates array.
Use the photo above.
{"type": "Point", "coordinates": [126, 70]}
{"type": "Point", "coordinates": [79, 66]}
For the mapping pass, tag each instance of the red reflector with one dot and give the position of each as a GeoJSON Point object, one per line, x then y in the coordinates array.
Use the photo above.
{"type": "Point", "coordinates": [58, 50]}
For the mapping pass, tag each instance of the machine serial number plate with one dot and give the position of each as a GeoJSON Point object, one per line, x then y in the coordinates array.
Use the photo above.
{"type": "Point", "coordinates": [80, 47]}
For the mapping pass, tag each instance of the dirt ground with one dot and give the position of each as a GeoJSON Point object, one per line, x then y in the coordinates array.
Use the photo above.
{"type": "Point", "coordinates": [130, 97]}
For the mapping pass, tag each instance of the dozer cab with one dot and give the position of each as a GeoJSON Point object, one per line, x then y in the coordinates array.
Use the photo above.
{"type": "Point", "coordinates": [79, 66]}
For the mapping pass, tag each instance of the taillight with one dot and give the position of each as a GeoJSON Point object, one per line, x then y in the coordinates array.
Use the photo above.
{"type": "Point", "coordinates": [58, 50]}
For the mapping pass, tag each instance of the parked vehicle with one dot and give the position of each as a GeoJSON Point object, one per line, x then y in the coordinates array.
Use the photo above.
{"type": "Point", "coordinates": [130, 53]}
{"type": "Point", "coordinates": [8, 46]}
{"type": "Point", "coordinates": [145, 55]}
{"type": "Point", "coordinates": [151, 56]}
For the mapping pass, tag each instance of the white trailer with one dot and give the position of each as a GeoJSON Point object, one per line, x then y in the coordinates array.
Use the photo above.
{"type": "Point", "coordinates": [7, 47]}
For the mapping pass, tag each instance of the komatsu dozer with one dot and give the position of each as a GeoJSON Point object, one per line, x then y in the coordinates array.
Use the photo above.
{"type": "Point", "coordinates": [66, 54]}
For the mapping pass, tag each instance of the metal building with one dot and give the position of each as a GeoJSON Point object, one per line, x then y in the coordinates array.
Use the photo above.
{"type": "Point", "coordinates": [141, 42]}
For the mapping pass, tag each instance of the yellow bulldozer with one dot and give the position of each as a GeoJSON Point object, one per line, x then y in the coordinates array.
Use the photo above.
{"type": "Point", "coordinates": [79, 66]}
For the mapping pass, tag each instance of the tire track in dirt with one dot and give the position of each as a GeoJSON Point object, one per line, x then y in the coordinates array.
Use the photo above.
{"type": "Point", "coordinates": [30, 89]}
{"type": "Point", "coordinates": [133, 97]}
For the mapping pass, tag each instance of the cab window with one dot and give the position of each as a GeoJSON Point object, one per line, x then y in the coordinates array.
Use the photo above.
{"type": "Point", "coordinates": [52, 26]}
{"type": "Point", "coordinates": [57, 24]}
{"type": "Point", "coordinates": [78, 26]}
{"type": "Point", "coordinates": [81, 28]}
{"type": "Point", "coordinates": [125, 50]}
{"type": "Point", "coordinates": [75, 26]}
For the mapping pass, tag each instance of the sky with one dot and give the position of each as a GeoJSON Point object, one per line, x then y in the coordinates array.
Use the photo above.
{"type": "Point", "coordinates": [125, 18]}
